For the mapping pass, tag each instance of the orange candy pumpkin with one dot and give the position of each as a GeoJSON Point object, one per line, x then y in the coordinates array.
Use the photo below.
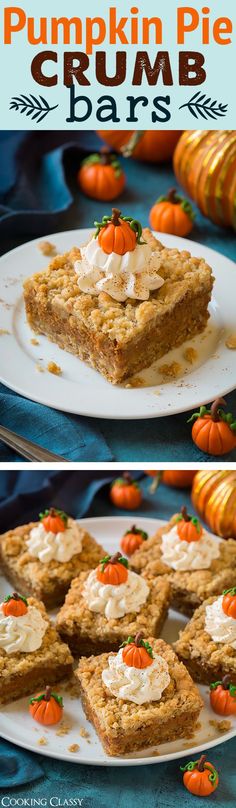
{"type": "Point", "coordinates": [189, 528]}
{"type": "Point", "coordinates": [172, 214]}
{"type": "Point", "coordinates": [46, 707]}
{"type": "Point", "coordinates": [101, 177]}
{"type": "Point", "coordinates": [223, 697]}
{"type": "Point", "coordinates": [200, 777]}
{"type": "Point", "coordinates": [132, 539]}
{"type": "Point", "coordinates": [113, 570]}
{"type": "Point", "coordinates": [214, 431]}
{"type": "Point", "coordinates": [125, 493]}
{"type": "Point", "coordinates": [229, 602]}
{"type": "Point", "coordinates": [14, 605]}
{"type": "Point", "coordinates": [137, 653]}
{"type": "Point", "coordinates": [118, 234]}
{"type": "Point", "coordinates": [150, 145]}
{"type": "Point", "coordinates": [54, 521]}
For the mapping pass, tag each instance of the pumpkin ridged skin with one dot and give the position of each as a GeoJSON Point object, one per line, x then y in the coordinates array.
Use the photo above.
{"type": "Point", "coordinates": [136, 657]}
{"type": "Point", "coordinates": [131, 542]}
{"type": "Point", "coordinates": [112, 572]}
{"type": "Point", "coordinates": [45, 712]}
{"type": "Point", "coordinates": [214, 498]}
{"type": "Point", "coordinates": [126, 495]}
{"type": "Point", "coordinates": [187, 531]}
{"type": "Point", "coordinates": [200, 786]}
{"type": "Point", "coordinates": [14, 607]}
{"type": "Point", "coordinates": [222, 702]}
{"type": "Point", "coordinates": [205, 166]}
{"type": "Point", "coordinates": [213, 437]}
{"type": "Point", "coordinates": [229, 604]}
{"type": "Point", "coordinates": [153, 147]}
{"type": "Point", "coordinates": [168, 218]}
{"type": "Point", "coordinates": [53, 521]}
{"type": "Point", "coordinates": [100, 181]}
{"type": "Point", "coordinates": [118, 239]}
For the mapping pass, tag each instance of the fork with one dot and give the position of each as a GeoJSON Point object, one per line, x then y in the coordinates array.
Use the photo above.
{"type": "Point", "coordinates": [28, 449]}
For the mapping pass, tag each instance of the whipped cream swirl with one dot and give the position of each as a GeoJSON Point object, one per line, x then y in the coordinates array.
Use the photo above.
{"type": "Point", "coordinates": [132, 275]}
{"type": "Point", "coordinates": [135, 684]}
{"type": "Point", "coordinates": [220, 627]}
{"type": "Point", "coordinates": [61, 546]}
{"type": "Point", "coordinates": [195, 555]}
{"type": "Point", "coordinates": [24, 633]}
{"type": "Point", "coordinates": [115, 601]}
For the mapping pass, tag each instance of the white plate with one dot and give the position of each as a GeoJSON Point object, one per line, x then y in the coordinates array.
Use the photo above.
{"type": "Point", "coordinates": [15, 717]}
{"type": "Point", "coordinates": [82, 390]}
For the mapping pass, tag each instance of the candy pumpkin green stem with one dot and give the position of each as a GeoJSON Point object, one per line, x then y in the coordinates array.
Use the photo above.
{"type": "Point", "coordinates": [46, 697]}
{"type": "Point", "coordinates": [15, 596]}
{"type": "Point", "coordinates": [115, 559]}
{"type": "Point", "coordinates": [125, 480]}
{"type": "Point", "coordinates": [216, 413]}
{"type": "Point", "coordinates": [231, 591]}
{"type": "Point", "coordinates": [139, 642]}
{"type": "Point", "coordinates": [54, 512]}
{"type": "Point", "coordinates": [175, 199]}
{"type": "Point", "coordinates": [226, 684]}
{"type": "Point", "coordinates": [106, 158]}
{"type": "Point", "coordinates": [137, 532]}
{"type": "Point", "coordinates": [200, 765]}
{"type": "Point", "coordinates": [114, 219]}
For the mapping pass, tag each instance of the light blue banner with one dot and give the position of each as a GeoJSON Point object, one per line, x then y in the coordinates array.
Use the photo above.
{"type": "Point", "coordinates": [167, 100]}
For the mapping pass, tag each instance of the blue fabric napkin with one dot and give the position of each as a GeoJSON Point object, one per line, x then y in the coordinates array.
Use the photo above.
{"type": "Point", "coordinates": [72, 437]}
{"type": "Point", "coordinates": [16, 766]}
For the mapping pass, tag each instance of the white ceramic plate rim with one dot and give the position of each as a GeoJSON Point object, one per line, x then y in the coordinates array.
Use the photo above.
{"type": "Point", "coordinates": [150, 525]}
{"type": "Point", "coordinates": [93, 396]}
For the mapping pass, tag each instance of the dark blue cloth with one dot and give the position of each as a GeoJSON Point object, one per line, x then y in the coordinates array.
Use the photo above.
{"type": "Point", "coordinates": [158, 786]}
{"type": "Point", "coordinates": [39, 195]}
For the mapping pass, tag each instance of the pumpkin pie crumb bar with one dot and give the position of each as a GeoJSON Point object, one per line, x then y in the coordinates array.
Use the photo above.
{"type": "Point", "coordinates": [206, 660]}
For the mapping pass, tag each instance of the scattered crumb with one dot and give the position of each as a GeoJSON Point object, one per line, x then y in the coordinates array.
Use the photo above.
{"type": "Point", "coordinates": [84, 733]}
{"type": "Point", "coordinates": [34, 341]}
{"type": "Point", "coordinates": [64, 729]}
{"type": "Point", "coordinates": [231, 341]}
{"type": "Point", "coordinates": [39, 368]}
{"type": "Point", "coordinates": [4, 331]}
{"type": "Point", "coordinates": [155, 753]}
{"type": "Point", "coordinates": [191, 355]}
{"type": "Point", "coordinates": [42, 741]}
{"type": "Point", "coordinates": [171, 371]}
{"type": "Point", "coordinates": [46, 248]}
{"type": "Point", "coordinates": [136, 381]}
{"type": "Point", "coordinates": [222, 726]}
{"type": "Point", "coordinates": [52, 367]}
{"type": "Point", "coordinates": [74, 747]}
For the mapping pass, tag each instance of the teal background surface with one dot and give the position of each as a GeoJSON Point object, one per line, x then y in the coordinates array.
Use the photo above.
{"type": "Point", "coordinates": [157, 786]}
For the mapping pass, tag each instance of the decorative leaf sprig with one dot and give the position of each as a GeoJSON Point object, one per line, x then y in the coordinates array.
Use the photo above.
{"type": "Point", "coordinates": [30, 105]}
{"type": "Point", "coordinates": [200, 105]}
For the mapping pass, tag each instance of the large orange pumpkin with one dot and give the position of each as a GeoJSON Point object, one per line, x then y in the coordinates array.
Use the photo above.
{"type": "Point", "coordinates": [214, 498]}
{"type": "Point", "coordinates": [176, 479]}
{"type": "Point", "coordinates": [205, 166]}
{"type": "Point", "coordinates": [150, 146]}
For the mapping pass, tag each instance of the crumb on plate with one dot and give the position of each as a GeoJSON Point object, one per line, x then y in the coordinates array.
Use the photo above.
{"type": "Point", "coordinates": [222, 726]}
{"type": "Point", "coordinates": [42, 741]}
{"type": "Point", "coordinates": [84, 733]}
{"type": "Point", "coordinates": [46, 248]}
{"type": "Point", "coordinates": [4, 331]}
{"type": "Point", "coordinates": [34, 341]}
{"type": "Point", "coordinates": [52, 367]}
{"type": "Point", "coordinates": [74, 747]}
{"type": "Point", "coordinates": [171, 371]}
{"type": "Point", "coordinates": [39, 368]}
{"type": "Point", "coordinates": [231, 341]}
{"type": "Point", "coordinates": [63, 729]}
{"type": "Point", "coordinates": [190, 354]}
